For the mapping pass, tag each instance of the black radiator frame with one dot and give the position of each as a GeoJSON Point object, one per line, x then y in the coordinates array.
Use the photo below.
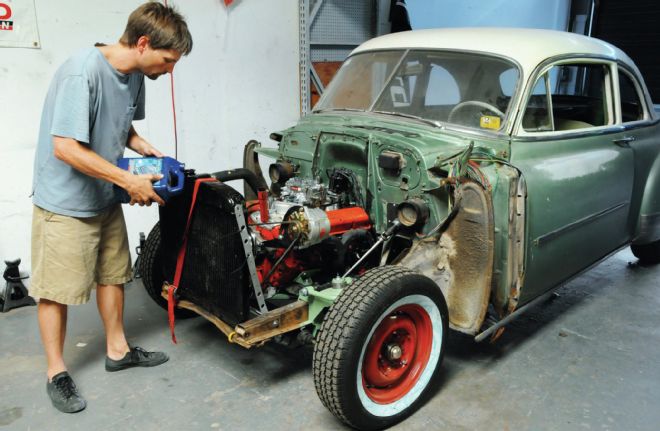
{"type": "Point", "coordinates": [215, 274]}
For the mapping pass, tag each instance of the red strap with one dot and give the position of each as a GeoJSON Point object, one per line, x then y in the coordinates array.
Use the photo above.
{"type": "Point", "coordinates": [171, 300]}
{"type": "Point", "coordinates": [170, 309]}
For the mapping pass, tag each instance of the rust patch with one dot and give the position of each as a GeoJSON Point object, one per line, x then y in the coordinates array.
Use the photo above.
{"type": "Point", "coordinates": [473, 260]}
{"type": "Point", "coordinates": [461, 262]}
{"type": "Point", "coordinates": [430, 257]}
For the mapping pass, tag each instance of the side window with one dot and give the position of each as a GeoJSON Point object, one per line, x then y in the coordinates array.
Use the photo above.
{"type": "Point", "coordinates": [536, 117]}
{"type": "Point", "coordinates": [631, 105]}
{"type": "Point", "coordinates": [570, 97]}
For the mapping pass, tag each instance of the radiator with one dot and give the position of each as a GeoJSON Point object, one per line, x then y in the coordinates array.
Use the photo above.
{"type": "Point", "coordinates": [215, 275]}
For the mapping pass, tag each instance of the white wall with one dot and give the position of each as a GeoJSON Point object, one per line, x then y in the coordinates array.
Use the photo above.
{"type": "Point", "coordinates": [547, 14]}
{"type": "Point", "coordinates": [240, 82]}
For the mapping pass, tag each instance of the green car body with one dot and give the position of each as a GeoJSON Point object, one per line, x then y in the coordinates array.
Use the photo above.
{"type": "Point", "coordinates": [555, 167]}
{"type": "Point", "coordinates": [445, 179]}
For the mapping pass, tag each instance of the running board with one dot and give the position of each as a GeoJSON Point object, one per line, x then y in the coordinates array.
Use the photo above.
{"type": "Point", "coordinates": [483, 335]}
{"type": "Point", "coordinates": [488, 331]}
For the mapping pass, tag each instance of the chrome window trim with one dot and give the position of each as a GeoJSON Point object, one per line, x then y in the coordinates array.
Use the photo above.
{"type": "Point", "coordinates": [640, 94]}
{"type": "Point", "coordinates": [570, 134]}
{"type": "Point", "coordinates": [518, 129]}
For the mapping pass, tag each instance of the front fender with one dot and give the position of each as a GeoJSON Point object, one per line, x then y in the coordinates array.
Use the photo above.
{"type": "Point", "coordinates": [461, 261]}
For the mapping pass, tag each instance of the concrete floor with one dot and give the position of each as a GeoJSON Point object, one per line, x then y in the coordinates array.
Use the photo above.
{"type": "Point", "coordinates": [585, 360]}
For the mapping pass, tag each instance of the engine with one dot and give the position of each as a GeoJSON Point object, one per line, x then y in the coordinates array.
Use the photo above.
{"type": "Point", "coordinates": [308, 227]}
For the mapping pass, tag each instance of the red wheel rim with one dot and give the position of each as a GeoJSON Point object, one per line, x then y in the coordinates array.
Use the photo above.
{"type": "Point", "coordinates": [397, 354]}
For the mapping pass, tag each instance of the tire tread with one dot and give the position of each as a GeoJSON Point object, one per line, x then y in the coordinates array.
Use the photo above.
{"type": "Point", "coordinates": [339, 323]}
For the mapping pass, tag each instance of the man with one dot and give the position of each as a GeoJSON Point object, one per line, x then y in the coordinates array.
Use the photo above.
{"type": "Point", "coordinates": [78, 231]}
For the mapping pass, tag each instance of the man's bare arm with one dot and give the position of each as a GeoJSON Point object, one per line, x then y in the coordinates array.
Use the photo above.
{"type": "Point", "coordinates": [138, 144]}
{"type": "Point", "coordinates": [81, 158]}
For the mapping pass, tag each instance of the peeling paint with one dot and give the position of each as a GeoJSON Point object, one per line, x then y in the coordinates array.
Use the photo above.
{"type": "Point", "coordinates": [430, 257]}
{"type": "Point", "coordinates": [461, 261]}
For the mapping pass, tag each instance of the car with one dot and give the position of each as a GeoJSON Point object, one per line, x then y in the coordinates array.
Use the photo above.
{"type": "Point", "coordinates": [446, 179]}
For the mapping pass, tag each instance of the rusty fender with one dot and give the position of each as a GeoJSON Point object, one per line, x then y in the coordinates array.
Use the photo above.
{"type": "Point", "coordinates": [460, 261]}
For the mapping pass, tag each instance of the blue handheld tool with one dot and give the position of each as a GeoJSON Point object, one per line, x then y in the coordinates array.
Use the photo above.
{"type": "Point", "coordinates": [172, 170]}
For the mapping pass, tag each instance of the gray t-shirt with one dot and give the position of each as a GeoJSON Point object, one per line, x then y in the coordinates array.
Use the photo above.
{"type": "Point", "coordinates": [91, 102]}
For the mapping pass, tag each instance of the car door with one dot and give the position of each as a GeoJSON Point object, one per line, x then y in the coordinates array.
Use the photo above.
{"type": "Point", "coordinates": [637, 119]}
{"type": "Point", "coordinates": [579, 169]}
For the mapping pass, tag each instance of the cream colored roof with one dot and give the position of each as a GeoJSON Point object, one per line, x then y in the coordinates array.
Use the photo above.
{"type": "Point", "coordinates": [527, 46]}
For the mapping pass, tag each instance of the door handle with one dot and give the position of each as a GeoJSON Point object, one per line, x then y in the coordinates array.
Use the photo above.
{"type": "Point", "coordinates": [624, 142]}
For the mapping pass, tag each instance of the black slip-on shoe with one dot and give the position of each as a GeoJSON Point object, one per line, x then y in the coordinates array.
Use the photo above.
{"type": "Point", "coordinates": [64, 394]}
{"type": "Point", "coordinates": [136, 357]}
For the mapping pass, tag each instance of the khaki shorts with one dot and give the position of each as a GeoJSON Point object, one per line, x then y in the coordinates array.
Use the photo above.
{"type": "Point", "coordinates": [72, 255]}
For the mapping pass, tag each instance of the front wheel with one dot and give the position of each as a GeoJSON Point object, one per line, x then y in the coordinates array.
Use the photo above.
{"type": "Point", "coordinates": [378, 352]}
{"type": "Point", "coordinates": [151, 269]}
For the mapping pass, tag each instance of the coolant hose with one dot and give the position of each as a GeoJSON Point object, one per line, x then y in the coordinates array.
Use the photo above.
{"type": "Point", "coordinates": [257, 184]}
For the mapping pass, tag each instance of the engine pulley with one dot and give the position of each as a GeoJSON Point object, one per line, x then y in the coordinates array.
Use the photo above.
{"type": "Point", "coordinates": [313, 225]}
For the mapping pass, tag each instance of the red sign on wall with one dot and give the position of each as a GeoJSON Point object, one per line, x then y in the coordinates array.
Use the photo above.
{"type": "Point", "coordinates": [18, 24]}
{"type": "Point", "coordinates": [5, 16]}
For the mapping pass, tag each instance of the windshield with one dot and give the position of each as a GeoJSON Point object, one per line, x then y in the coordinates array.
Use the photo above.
{"type": "Point", "coordinates": [464, 89]}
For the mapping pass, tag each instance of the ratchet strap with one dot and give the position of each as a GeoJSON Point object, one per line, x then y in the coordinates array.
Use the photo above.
{"type": "Point", "coordinates": [171, 289]}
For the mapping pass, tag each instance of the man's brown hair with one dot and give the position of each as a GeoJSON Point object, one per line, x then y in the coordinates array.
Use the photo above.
{"type": "Point", "coordinates": [164, 26]}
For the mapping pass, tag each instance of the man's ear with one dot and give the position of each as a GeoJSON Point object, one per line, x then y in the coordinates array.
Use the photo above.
{"type": "Point", "coordinates": [142, 43]}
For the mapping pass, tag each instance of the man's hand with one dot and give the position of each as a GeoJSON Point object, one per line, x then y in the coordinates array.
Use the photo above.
{"type": "Point", "coordinates": [141, 190]}
{"type": "Point", "coordinates": [81, 158]}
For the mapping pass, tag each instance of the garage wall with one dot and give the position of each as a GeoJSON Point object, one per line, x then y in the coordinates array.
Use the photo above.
{"type": "Point", "coordinates": [633, 27]}
{"type": "Point", "coordinates": [548, 14]}
{"type": "Point", "coordinates": [240, 82]}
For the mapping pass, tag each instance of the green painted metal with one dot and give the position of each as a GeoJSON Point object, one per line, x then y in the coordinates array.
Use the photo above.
{"type": "Point", "coordinates": [318, 298]}
{"type": "Point", "coordinates": [647, 172]}
{"type": "Point", "coordinates": [268, 152]}
{"type": "Point", "coordinates": [578, 206]}
{"type": "Point", "coordinates": [502, 180]}
{"type": "Point", "coordinates": [584, 193]}
{"type": "Point", "coordinates": [319, 301]}
{"type": "Point", "coordinates": [320, 142]}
